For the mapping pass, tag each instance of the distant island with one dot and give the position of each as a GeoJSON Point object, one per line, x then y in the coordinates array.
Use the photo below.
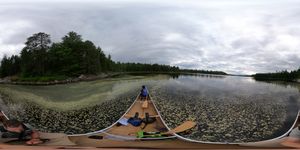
{"type": "Point", "coordinates": [291, 76]}
{"type": "Point", "coordinates": [43, 61]}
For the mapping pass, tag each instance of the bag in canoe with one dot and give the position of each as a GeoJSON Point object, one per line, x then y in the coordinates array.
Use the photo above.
{"type": "Point", "coordinates": [135, 121]}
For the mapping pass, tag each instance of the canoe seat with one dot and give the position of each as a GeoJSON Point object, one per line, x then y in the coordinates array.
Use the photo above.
{"type": "Point", "coordinates": [145, 105]}
{"type": "Point", "coordinates": [144, 101]}
{"type": "Point", "coordinates": [129, 115]}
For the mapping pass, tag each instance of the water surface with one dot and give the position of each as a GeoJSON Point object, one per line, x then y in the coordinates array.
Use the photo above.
{"type": "Point", "coordinates": [226, 108]}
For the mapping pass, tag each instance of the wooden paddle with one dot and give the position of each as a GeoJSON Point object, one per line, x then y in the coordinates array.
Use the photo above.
{"type": "Point", "coordinates": [183, 127]}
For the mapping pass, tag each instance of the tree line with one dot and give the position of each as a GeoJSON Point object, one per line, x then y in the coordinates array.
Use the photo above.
{"type": "Point", "coordinates": [70, 57]}
{"type": "Point", "coordinates": [282, 75]}
{"type": "Point", "coordinates": [204, 71]}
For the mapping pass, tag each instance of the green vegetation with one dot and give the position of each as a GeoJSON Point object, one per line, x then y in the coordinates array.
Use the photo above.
{"type": "Point", "coordinates": [41, 60]}
{"type": "Point", "coordinates": [10, 66]}
{"type": "Point", "coordinates": [283, 75]}
{"type": "Point", "coordinates": [43, 78]}
{"type": "Point", "coordinates": [76, 95]}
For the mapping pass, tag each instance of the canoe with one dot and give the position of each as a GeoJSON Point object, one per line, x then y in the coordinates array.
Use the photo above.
{"type": "Point", "coordinates": [125, 136]}
{"type": "Point", "coordinates": [116, 136]}
{"type": "Point", "coordinates": [173, 141]}
{"type": "Point", "coordinates": [129, 132]}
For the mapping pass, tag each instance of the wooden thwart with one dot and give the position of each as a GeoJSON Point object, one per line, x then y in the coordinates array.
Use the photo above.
{"type": "Point", "coordinates": [131, 115]}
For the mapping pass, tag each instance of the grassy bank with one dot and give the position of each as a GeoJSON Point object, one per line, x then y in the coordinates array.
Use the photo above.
{"type": "Point", "coordinates": [75, 95]}
{"type": "Point", "coordinates": [41, 78]}
{"type": "Point", "coordinates": [76, 107]}
{"type": "Point", "coordinates": [53, 80]}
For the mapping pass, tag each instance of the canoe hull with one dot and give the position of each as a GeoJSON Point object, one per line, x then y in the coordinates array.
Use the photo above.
{"type": "Point", "coordinates": [116, 136]}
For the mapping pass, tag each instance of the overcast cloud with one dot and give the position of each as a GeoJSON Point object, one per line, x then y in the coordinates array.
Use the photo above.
{"type": "Point", "coordinates": [234, 36]}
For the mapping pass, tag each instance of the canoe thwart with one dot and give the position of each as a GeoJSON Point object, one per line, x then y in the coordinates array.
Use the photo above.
{"type": "Point", "coordinates": [130, 115]}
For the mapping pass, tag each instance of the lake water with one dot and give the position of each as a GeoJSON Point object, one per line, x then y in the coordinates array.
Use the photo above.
{"type": "Point", "coordinates": [225, 108]}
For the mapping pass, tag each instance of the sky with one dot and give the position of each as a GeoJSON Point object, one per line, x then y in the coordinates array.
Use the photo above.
{"type": "Point", "coordinates": [235, 36]}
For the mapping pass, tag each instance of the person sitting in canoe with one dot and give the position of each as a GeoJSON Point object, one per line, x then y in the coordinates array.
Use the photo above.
{"type": "Point", "coordinates": [144, 93]}
{"type": "Point", "coordinates": [16, 129]}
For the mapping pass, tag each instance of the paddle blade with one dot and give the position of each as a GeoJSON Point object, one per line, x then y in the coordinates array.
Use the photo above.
{"type": "Point", "coordinates": [183, 127]}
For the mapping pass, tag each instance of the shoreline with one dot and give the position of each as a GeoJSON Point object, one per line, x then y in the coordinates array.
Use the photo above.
{"type": "Point", "coordinates": [86, 78]}
{"type": "Point", "coordinates": [66, 81]}
{"type": "Point", "coordinates": [7, 80]}
{"type": "Point", "coordinates": [276, 79]}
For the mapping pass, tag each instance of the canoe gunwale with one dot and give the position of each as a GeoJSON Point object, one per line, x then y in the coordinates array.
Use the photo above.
{"type": "Point", "coordinates": [277, 138]}
{"type": "Point", "coordinates": [163, 121]}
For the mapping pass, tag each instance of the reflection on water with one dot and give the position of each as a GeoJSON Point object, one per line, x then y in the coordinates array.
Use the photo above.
{"type": "Point", "coordinates": [226, 108]}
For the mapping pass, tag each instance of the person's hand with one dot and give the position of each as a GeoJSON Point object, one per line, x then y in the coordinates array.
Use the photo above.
{"type": "Point", "coordinates": [34, 142]}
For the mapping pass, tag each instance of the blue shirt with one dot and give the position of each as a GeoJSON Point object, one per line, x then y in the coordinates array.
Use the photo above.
{"type": "Point", "coordinates": [144, 92]}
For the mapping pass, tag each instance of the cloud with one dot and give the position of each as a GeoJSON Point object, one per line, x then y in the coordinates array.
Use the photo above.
{"type": "Point", "coordinates": [10, 44]}
{"type": "Point", "coordinates": [240, 37]}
